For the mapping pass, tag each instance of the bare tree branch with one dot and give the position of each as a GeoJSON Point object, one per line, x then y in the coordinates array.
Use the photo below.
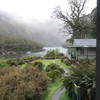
{"type": "Point", "coordinates": [72, 19]}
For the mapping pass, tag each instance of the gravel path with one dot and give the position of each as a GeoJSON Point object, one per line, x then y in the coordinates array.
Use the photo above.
{"type": "Point", "coordinates": [60, 90]}
{"type": "Point", "coordinates": [57, 94]}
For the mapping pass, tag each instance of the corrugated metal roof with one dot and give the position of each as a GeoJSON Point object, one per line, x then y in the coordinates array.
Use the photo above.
{"type": "Point", "coordinates": [84, 43]}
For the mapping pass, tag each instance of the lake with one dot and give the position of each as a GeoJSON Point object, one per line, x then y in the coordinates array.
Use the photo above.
{"type": "Point", "coordinates": [37, 54]}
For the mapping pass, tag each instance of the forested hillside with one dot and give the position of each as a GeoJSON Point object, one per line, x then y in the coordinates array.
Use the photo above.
{"type": "Point", "coordinates": [9, 26]}
{"type": "Point", "coordinates": [33, 30]}
{"type": "Point", "coordinates": [12, 45]}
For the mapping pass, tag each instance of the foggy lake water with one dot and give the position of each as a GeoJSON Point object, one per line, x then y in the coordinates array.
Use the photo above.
{"type": "Point", "coordinates": [38, 54]}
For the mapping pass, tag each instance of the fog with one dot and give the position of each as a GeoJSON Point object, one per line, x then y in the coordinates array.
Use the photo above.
{"type": "Point", "coordinates": [46, 32]}
{"type": "Point", "coordinates": [31, 19]}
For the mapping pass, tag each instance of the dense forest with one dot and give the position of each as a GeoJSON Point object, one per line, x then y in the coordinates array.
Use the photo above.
{"type": "Point", "coordinates": [12, 44]}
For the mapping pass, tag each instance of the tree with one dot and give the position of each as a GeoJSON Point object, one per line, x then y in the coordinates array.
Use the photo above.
{"type": "Point", "coordinates": [13, 44]}
{"type": "Point", "coordinates": [52, 54]}
{"type": "Point", "coordinates": [73, 21]}
{"type": "Point", "coordinates": [82, 80]}
{"type": "Point", "coordinates": [93, 21]}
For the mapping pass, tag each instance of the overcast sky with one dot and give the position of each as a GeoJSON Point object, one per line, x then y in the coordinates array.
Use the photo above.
{"type": "Point", "coordinates": [37, 9]}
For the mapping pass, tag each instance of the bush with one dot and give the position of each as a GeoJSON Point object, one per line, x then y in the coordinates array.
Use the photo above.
{"type": "Point", "coordinates": [54, 74]}
{"type": "Point", "coordinates": [39, 65]}
{"type": "Point", "coordinates": [52, 66]}
{"type": "Point", "coordinates": [20, 61]}
{"type": "Point", "coordinates": [66, 61]}
{"type": "Point", "coordinates": [54, 71]}
{"type": "Point", "coordinates": [3, 63]}
{"type": "Point", "coordinates": [53, 54]}
{"type": "Point", "coordinates": [12, 62]}
{"type": "Point", "coordinates": [84, 76]}
{"type": "Point", "coordinates": [22, 84]}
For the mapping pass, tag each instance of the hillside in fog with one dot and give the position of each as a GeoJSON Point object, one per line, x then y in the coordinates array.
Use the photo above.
{"type": "Point", "coordinates": [45, 32]}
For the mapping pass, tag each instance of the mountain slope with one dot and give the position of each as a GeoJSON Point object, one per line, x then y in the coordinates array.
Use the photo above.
{"type": "Point", "coordinates": [47, 33]}
{"type": "Point", "coordinates": [12, 44]}
{"type": "Point", "coordinates": [14, 36]}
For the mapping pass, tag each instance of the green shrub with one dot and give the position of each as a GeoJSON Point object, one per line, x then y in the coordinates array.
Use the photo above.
{"type": "Point", "coordinates": [54, 74]}
{"type": "Point", "coordinates": [53, 54]}
{"type": "Point", "coordinates": [84, 76]}
{"type": "Point", "coordinates": [38, 65]}
{"type": "Point", "coordinates": [18, 44]}
{"type": "Point", "coordinates": [12, 62]}
{"type": "Point", "coordinates": [3, 63]}
{"type": "Point", "coordinates": [52, 66]}
{"type": "Point", "coordinates": [54, 71]}
{"type": "Point", "coordinates": [66, 61]}
{"type": "Point", "coordinates": [20, 61]}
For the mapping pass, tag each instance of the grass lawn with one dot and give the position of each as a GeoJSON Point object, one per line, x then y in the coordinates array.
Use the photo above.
{"type": "Point", "coordinates": [3, 62]}
{"type": "Point", "coordinates": [64, 96]}
{"type": "Point", "coordinates": [46, 62]}
{"type": "Point", "coordinates": [52, 87]}
{"type": "Point", "coordinates": [22, 66]}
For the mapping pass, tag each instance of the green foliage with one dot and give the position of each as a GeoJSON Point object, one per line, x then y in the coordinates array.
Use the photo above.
{"type": "Point", "coordinates": [52, 87]}
{"type": "Point", "coordinates": [39, 65]}
{"type": "Point", "coordinates": [54, 74]}
{"type": "Point", "coordinates": [12, 44]}
{"type": "Point", "coordinates": [53, 66]}
{"type": "Point", "coordinates": [22, 84]}
{"type": "Point", "coordinates": [54, 71]}
{"type": "Point", "coordinates": [75, 22]}
{"type": "Point", "coordinates": [64, 96]}
{"type": "Point", "coordinates": [3, 63]}
{"type": "Point", "coordinates": [66, 61]}
{"type": "Point", "coordinates": [12, 62]}
{"type": "Point", "coordinates": [16, 61]}
{"type": "Point", "coordinates": [53, 54]}
{"type": "Point", "coordinates": [83, 75]}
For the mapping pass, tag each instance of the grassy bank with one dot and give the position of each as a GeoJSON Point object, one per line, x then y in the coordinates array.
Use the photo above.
{"type": "Point", "coordinates": [46, 62]}
{"type": "Point", "coordinates": [52, 87]}
{"type": "Point", "coordinates": [3, 62]}
{"type": "Point", "coordinates": [64, 96]}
